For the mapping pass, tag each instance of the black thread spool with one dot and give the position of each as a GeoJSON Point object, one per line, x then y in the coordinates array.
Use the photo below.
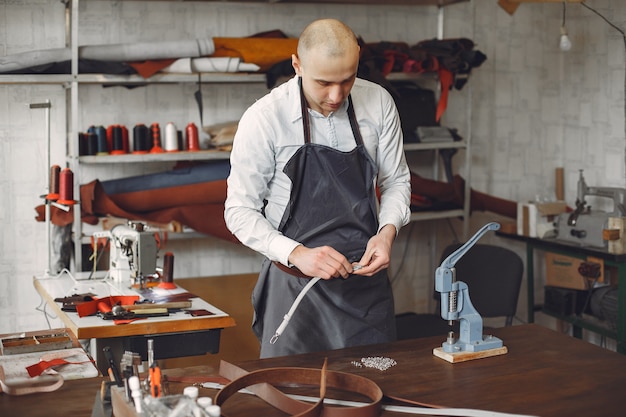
{"type": "Point", "coordinates": [66, 187]}
{"type": "Point", "coordinates": [117, 140]}
{"type": "Point", "coordinates": [167, 279]}
{"type": "Point", "coordinates": [82, 144]}
{"type": "Point", "coordinates": [141, 139]}
{"type": "Point", "coordinates": [53, 194]}
{"type": "Point", "coordinates": [103, 147]}
{"type": "Point", "coordinates": [91, 144]}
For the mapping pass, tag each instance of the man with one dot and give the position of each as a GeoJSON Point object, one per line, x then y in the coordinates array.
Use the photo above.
{"type": "Point", "coordinates": [306, 165]}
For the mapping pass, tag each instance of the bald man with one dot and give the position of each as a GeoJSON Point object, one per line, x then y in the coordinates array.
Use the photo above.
{"type": "Point", "coordinates": [306, 164]}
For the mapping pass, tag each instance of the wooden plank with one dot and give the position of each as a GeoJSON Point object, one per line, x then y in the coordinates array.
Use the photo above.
{"type": "Point", "coordinates": [468, 356]}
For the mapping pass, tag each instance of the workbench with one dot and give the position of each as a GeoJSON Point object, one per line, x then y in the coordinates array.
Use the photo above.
{"type": "Point", "coordinates": [175, 335]}
{"type": "Point", "coordinates": [544, 373]}
{"type": "Point", "coordinates": [578, 322]}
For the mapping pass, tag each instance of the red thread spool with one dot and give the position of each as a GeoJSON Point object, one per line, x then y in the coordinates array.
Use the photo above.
{"type": "Point", "coordinates": [66, 187]}
{"type": "Point", "coordinates": [167, 280]}
{"type": "Point", "coordinates": [53, 195]}
{"type": "Point", "coordinates": [193, 143]}
{"type": "Point", "coordinates": [125, 139]}
{"type": "Point", "coordinates": [156, 138]}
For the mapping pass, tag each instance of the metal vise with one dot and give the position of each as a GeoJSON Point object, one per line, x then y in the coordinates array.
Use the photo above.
{"type": "Point", "coordinates": [456, 303]}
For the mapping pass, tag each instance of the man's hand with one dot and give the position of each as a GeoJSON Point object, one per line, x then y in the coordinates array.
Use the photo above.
{"type": "Point", "coordinates": [378, 251]}
{"type": "Point", "coordinates": [324, 262]}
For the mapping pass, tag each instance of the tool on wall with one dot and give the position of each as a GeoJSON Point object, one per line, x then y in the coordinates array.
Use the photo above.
{"type": "Point", "coordinates": [456, 305]}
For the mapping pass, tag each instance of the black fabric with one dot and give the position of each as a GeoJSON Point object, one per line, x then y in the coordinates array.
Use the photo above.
{"type": "Point", "coordinates": [416, 107]}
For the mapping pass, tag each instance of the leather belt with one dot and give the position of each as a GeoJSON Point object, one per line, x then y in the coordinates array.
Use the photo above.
{"type": "Point", "coordinates": [291, 271]}
{"type": "Point", "coordinates": [260, 382]}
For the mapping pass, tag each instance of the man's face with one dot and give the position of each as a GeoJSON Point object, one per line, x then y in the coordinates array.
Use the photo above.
{"type": "Point", "coordinates": [326, 82]}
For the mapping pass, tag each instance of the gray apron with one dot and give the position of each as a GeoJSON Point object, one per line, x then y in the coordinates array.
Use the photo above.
{"type": "Point", "coordinates": [332, 203]}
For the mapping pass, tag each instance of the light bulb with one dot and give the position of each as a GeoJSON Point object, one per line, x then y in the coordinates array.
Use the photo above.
{"type": "Point", "coordinates": [564, 44]}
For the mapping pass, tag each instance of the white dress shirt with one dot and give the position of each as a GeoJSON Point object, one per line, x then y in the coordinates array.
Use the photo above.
{"type": "Point", "coordinates": [271, 131]}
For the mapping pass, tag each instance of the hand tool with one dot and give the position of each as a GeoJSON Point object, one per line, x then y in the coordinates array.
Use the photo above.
{"type": "Point", "coordinates": [154, 372]}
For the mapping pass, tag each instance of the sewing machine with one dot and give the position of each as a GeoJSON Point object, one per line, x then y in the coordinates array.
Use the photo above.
{"type": "Point", "coordinates": [584, 226]}
{"type": "Point", "coordinates": [456, 305]}
{"type": "Point", "coordinates": [132, 254]}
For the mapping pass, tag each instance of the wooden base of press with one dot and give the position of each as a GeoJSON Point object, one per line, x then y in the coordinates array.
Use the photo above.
{"type": "Point", "coordinates": [468, 356]}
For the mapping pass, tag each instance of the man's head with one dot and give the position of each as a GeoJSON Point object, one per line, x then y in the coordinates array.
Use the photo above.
{"type": "Point", "coordinates": [327, 62]}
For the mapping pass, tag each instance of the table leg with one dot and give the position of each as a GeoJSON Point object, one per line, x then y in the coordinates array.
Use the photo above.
{"type": "Point", "coordinates": [530, 276]}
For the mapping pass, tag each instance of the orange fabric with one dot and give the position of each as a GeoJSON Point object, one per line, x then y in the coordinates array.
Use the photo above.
{"type": "Point", "coordinates": [148, 68]}
{"type": "Point", "coordinates": [264, 52]}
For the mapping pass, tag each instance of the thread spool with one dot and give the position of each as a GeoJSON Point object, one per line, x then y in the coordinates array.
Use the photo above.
{"type": "Point", "coordinates": [181, 140]}
{"type": "Point", "coordinates": [82, 144]}
{"type": "Point", "coordinates": [167, 279]}
{"type": "Point", "coordinates": [53, 194]}
{"type": "Point", "coordinates": [193, 142]}
{"type": "Point", "coordinates": [156, 138]}
{"type": "Point", "coordinates": [103, 144]}
{"type": "Point", "coordinates": [117, 140]}
{"type": "Point", "coordinates": [92, 144]}
{"type": "Point", "coordinates": [171, 138]}
{"type": "Point", "coordinates": [125, 143]}
{"type": "Point", "coordinates": [141, 139]}
{"type": "Point", "coordinates": [66, 187]}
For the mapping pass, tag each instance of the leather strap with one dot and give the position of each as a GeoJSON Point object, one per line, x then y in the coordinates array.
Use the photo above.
{"type": "Point", "coordinates": [260, 382]}
{"type": "Point", "coordinates": [291, 271]}
{"type": "Point", "coordinates": [47, 384]}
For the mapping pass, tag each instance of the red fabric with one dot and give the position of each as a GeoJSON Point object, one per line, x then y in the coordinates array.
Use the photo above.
{"type": "Point", "coordinates": [445, 78]}
{"type": "Point", "coordinates": [104, 304]}
{"type": "Point", "coordinates": [201, 206]}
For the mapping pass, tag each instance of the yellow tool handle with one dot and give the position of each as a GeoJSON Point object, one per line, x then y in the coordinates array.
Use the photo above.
{"type": "Point", "coordinates": [173, 304]}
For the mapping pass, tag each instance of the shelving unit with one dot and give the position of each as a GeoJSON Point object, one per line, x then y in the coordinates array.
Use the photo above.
{"type": "Point", "coordinates": [74, 80]}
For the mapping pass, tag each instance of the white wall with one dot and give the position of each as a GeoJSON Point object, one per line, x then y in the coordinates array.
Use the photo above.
{"type": "Point", "coordinates": [533, 108]}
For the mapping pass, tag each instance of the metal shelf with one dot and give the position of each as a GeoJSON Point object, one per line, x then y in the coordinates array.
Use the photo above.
{"type": "Point", "coordinates": [204, 155]}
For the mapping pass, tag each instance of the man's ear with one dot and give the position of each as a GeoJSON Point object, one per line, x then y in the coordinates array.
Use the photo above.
{"type": "Point", "coordinates": [295, 63]}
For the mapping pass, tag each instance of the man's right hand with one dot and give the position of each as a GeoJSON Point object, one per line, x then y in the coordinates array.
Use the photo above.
{"type": "Point", "coordinates": [324, 262]}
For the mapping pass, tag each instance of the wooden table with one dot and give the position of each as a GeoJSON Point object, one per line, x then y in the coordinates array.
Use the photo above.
{"type": "Point", "coordinates": [545, 373]}
{"type": "Point", "coordinates": [178, 334]}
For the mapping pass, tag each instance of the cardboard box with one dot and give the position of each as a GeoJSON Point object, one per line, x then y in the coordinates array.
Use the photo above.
{"type": "Point", "coordinates": [537, 219]}
{"type": "Point", "coordinates": [563, 271]}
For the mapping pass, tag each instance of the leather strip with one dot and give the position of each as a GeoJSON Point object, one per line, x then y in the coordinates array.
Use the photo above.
{"type": "Point", "coordinates": [260, 382]}
{"type": "Point", "coordinates": [291, 271]}
{"type": "Point", "coordinates": [51, 383]}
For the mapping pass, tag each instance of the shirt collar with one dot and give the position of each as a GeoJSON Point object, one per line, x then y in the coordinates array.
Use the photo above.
{"type": "Point", "coordinates": [296, 112]}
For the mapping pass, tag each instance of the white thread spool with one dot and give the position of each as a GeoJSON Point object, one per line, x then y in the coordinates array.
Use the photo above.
{"type": "Point", "coordinates": [171, 138]}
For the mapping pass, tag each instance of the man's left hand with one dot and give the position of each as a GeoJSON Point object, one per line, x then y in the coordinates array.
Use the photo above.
{"type": "Point", "coordinates": [378, 252]}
